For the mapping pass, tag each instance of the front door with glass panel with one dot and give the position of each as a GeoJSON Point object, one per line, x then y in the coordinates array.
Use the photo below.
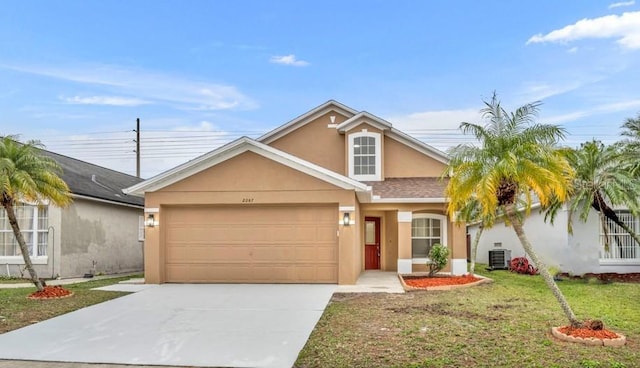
{"type": "Point", "coordinates": [372, 243]}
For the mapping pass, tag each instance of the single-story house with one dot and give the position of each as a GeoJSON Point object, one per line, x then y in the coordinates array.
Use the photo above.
{"type": "Point", "coordinates": [102, 231]}
{"type": "Point", "coordinates": [319, 199]}
{"type": "Point", "coordinates": [578, 253]}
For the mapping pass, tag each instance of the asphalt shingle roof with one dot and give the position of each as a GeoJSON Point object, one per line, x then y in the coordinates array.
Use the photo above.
{"type": "Point", "coordinates": [95, 181]}
{"type": "Point", "coordinates": [409, 187]}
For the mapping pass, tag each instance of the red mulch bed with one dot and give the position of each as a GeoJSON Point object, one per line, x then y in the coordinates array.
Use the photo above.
{"type": "Point", "coordinates": [51, 292]}
{"type": "Point", "coordinates": [587, 332]}
{"type": "Point", "coordinates": [423, 281]}
{"type": "Point", "coordinates": [607, 277]}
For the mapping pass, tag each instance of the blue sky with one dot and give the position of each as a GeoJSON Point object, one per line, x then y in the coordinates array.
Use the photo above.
{"type": "Point", "coordinates": [76, 74]}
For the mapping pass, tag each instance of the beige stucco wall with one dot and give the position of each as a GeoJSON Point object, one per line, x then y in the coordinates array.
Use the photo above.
{"type": "Point", "coordinates": [98, 232]}
{"type": "Point", "coordinates": [248, 179]}
{"type": "Point", "coordinates": [316, 143]}
{"type": "Point", "coordinates": [402, 161]}
{"type": "Point", "coordinates": [391, 241]}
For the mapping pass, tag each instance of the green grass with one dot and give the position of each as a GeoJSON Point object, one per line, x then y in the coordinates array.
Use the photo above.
{"type": "Point", "coordinates": [503, 324]}
{"type": "Point", "coordinates": [13, 280]}
{"type": "Point", "coordinates": [17, 311]}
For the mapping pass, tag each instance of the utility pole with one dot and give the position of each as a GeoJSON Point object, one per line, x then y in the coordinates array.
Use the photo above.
{"type": "Point", "coordinates": [138, 147]}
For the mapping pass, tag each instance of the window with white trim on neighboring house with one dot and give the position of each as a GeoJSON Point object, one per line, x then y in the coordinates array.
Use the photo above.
{"type": "Point", "coordinates": [34, 226]}
{"type": "Point", "coordinates": [141, 226]}
{"type": "Point", "coordinates": [427, 230]}
{"type": "Point", "coordinates": [365, 157]}
{"type": "Point", "coordinates": [622, 246]}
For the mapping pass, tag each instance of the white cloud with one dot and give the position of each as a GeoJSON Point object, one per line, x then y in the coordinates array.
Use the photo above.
{"type": "Point", "coordinates": [538, 91]}
{"type": "Point", "coordinates": [203, 126]}
{"type": "Point", "coordinates": [183, 93]}
{"type": "Point", "coordinates": [607, 108]}
{"type": "Point", "coordinates": [439, 128]}
{"type": "Point", "coordinates": [573, 50]}
{"type": "Point", "coordinates": [288, 60]}
{"type": "Point", "coordinates": [435, 120]}
{"type": "Point", "coordinates": [621, 4]}
{"type": "Point", "coordinates": [105, 100]}
{"type": "Point", "coordinates": [625, 28]}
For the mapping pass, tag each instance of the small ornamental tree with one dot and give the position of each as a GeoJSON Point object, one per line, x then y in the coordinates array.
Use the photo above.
{"type": "Point", "coordinates": [439, 256]}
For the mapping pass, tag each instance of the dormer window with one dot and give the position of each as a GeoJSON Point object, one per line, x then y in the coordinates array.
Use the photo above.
{"type": "Point", "coordinates": [365, 156]}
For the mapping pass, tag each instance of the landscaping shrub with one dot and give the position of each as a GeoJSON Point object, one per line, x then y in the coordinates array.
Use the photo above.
{"type": "Point", "coordinates": [439, 255]}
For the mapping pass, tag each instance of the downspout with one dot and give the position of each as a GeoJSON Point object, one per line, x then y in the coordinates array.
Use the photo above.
{"type": "Point", "coordinates": [53, 251]}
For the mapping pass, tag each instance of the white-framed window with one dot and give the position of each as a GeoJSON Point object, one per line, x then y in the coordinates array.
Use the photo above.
{"type": "Point", "coordinates": [34, 225]}
{"type": "Point", "coordinates": [427, 229]}
{"type": "Point", "coordinates": [622, 246]}
{"type": "Point", "coordinates": [365, 156]}
{"type": "Point", "coordinates": [141, 226]}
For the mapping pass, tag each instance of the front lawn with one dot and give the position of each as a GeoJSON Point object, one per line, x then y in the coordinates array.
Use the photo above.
{"type": "Point", "coordinates": [504, 324]}
{"type": "Point", "coordinates": [17, 311]}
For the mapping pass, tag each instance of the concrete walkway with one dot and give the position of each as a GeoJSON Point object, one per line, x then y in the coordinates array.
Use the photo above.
{"type": "Point", "coordinates": [374, 281]}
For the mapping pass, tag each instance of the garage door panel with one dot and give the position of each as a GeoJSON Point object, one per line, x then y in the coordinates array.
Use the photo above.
{"type": "Point", "coordinates": [206, 273]}
{"type": "Point", "coordinates": [251, 244]}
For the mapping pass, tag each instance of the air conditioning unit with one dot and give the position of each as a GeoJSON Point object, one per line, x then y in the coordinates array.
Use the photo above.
{"type": "Point", "coordinates": [499, 259]}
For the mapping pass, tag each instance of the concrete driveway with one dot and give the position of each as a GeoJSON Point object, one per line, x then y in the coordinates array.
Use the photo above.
{"type": "Point", "coordinates": [180, 325]}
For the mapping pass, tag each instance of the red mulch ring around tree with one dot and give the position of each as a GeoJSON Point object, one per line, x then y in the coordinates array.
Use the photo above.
{"type": "Point", "coordinates": [425, 282]}
{"type": "Point", "coordinates": [586, 333]}
{"type": "Point", "coordinates": [51, 292]}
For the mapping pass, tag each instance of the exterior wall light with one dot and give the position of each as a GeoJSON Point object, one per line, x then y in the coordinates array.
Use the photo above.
{"type": "Point", "coordinates": [151, 220]}
{"type": "Point", "coordinates": [346, 219]}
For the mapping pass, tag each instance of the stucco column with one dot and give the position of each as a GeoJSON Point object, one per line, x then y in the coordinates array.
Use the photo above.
{"type": "Point", "coordinates": [404, 242]}
{"type": "Point", "coordinates": [347, 246]}
{"type": "Point", "coordinates": [153, 264]}
{"type": "Point", "coordinates": [458, 249]}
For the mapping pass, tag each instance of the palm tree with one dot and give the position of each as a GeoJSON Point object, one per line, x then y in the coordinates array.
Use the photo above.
{"type": "Point", "coordinates": [516, 159]}
{"type": "Point", "coordinates": [631, 144]}
{"type": "Point", "coordinates": [27, 176]}
{"type": "Point", "coordinates": [603, 178]}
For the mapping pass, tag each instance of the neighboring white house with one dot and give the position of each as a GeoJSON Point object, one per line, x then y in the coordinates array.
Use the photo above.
{"type": "Point", "coordinates": [578, 253]}
{"type": "Point", "coordinates": [102, 231]}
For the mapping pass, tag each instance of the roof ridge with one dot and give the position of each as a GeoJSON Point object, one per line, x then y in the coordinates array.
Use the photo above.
{"type": "Point", "coordinates": [89, 163]}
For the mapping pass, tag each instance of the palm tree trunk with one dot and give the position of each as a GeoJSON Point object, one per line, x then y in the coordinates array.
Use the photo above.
{"type": "Point", "coordinates": [542, 268]}
{"type": "Point", "coordinates": [8, 206]}
{"type": "Point", "coordinates": [474, 249]}
{"type": "Point", "coordinates": [630, 231]}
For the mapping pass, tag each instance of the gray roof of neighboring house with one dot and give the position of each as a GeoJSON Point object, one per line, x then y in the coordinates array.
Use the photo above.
{"type": "Point", "coordinates": [95, 181]}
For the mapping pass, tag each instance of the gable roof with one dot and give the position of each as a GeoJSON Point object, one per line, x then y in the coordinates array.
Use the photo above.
{"type": "Point", "coordinates": [95, 182]}
{"type": "Point", "coordinates": [305, 118]}
{"type": "Point", "coordinates": [234, 149]}
{"type": "Point", "coordinates": [356, 120]}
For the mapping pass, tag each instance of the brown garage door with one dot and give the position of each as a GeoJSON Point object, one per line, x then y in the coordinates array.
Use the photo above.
{"type": "Point", "coordinates": [252, 244]}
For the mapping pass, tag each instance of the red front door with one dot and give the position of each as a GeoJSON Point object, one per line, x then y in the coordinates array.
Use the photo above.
{"type": "Point", "coordinates": [372, 243]}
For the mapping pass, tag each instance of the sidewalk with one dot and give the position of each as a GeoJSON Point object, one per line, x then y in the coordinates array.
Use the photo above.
{"type": "Point", "coordinates": [75, 280]}
{"type": "Point", "coordinates": [374, 281]}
